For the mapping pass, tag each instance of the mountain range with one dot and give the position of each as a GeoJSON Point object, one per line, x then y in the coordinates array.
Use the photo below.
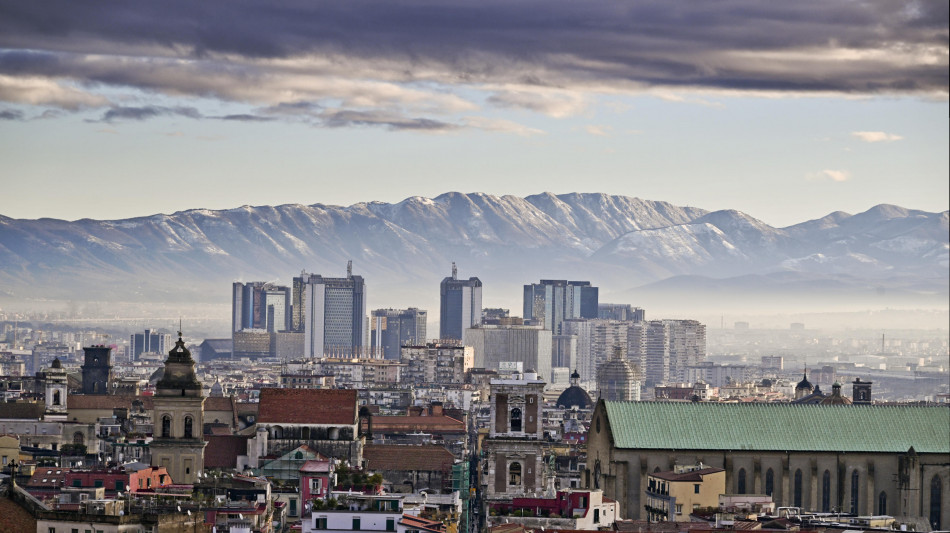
{"type": "Point", "coordinates": [629, 247]}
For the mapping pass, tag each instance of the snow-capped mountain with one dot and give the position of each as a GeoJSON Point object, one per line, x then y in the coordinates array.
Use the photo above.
{"type": "Point", "coordinates": [616, 242]}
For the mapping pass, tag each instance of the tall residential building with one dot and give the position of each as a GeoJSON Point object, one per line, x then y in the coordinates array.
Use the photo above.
{"type": "Point", "coordinates": [666, 348]}
{"type": "Point", "coordinates": [151, 341]}
{"type": "Point", "coordinates": [335, 317]}
{"type": "Point", "coordinates": [460, 305]}
{"type": "Point", "coordinates": [687, 346]}
{"type": "Point", "coordinates": [436, 364]}
{"type": "Point", "coordinates": [530, 345]}
{"type": "Point", "coordinates": [390, 329]}
{"type": "Point", "coordinates": [552, 301]}
{"type": "Point", "coordinates": [621, 312]}
{"type": "Point", "coordinates": [260, 305]}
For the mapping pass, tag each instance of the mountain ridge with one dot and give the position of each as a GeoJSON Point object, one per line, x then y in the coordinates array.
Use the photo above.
{"type": "Point", "coordinates": [617, 242]}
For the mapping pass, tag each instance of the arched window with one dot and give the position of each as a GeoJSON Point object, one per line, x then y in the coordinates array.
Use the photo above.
{"type": "Point", "coordinates": [514, 474]}
{"type": "Point", "coordinates": [855, 487]}
{"type": "Point", "coordinates": [189, 427]}
{"type": "Point", "coordinates": [166, 426]}
{"type": "Point", "coordinates": [826, 492]}
{"type": "Point", "coordinates": [278, 432]}
{"type": "Point", "coordinates": [516, 419]}
{"type": "Point", "coordinates": [56, 398]}
{"type": "Point", "coordinates": [769, 482]}
{"type": "Point", "coordinates": [797, 492]}
{"type": "Point", "coordinates": [882, 503]}
{"type": "Point", "coordinates": [740, 481]}
{"type": "Point", "coordinates": [936, 489]}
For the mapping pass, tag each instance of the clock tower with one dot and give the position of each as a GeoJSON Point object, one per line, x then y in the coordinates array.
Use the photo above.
{"type": "Point", "coordinates": [178, 416]}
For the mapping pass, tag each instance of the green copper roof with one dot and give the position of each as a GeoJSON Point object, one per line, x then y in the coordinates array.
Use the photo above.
{"type": "Point", "coordinates": [785, 427]}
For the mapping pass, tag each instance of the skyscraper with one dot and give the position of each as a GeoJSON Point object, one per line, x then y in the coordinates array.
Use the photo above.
{"type": "Point", "coordinates": [151, 341]}
{"type": "Point", "coordinates": [260, 305]}
{"type": "Point", "coordinates": [460, 305]}
{"type": "Point", "coordinates": [335, 317]}
{"type": "Point", "coordinates": [552, 301]}
{"type": "Point", "coordinates": [390, 329]}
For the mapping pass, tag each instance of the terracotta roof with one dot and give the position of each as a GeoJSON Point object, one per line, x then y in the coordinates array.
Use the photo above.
{"type": "Point", "coordinates": [307, 406]}
{"type": "Point", "coordinates": [316, 465]}
{"type": "Point", "coordinates": [105, 401]}
{"type": "Point", "coordinates": [15, 518]}
{"type": "Point", "coordinates": [695, 475]}
{"type": "Point", "coordinates": [222, 451]}
{"type": "Point", "coordinates": [395, 424]}
{"type": "Point", "coordinates": [222, 403]}
{"type": "Point", "coordinates": [48, 476]}
{"type": "Point", "coordinates": [22, 410]}
{"type": "Point", "coordinates": [398, 457]}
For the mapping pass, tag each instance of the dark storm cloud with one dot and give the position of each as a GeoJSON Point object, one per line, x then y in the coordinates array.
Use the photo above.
{"type": "Point", "coordinates": [344, 118]}
{"type": "Point", "coordinates": [142, 113]}
{"type": "Point", "coordinates": [277, 53]}
{"type": "Point", "coordinates": [245, 118]}
{"type": "Point", "coordinates": [10, 114]}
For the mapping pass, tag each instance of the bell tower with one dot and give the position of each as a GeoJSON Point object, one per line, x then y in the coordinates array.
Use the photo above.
{"type": "Point", "coordinates": [96, 369]}
{"type": "Point", "coordinates": [56, 388]}
{"type": "Point", "coordinates": [178, 418]}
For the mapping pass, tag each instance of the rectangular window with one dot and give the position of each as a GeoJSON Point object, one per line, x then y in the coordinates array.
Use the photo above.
{"type": "Point", "coordinates": [293, 506]}
{"type": "Point", "coordinates": [356, 523]}
{"type": "Point", "coordinates": [696, 488]}
{"type": "Point", "coordinates": [98, 483]}
{"type": "Point", "coordinates": [320, 522]}
{"type": "Point", "coordinates": [77, 482]}
{"type": "Point", "coordinates": [679, 508]}
{"type": "Point", "coordinates": [119, 485]}
{"type": "Point", "coordinates": [390, 524]}
{"type": "Point", "coordinates": [52, 530]}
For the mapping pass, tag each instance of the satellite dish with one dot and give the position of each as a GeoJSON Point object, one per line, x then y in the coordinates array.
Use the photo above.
{"type": "Point", "coordinates": [179, 508]}
{"type": "Point", "coordinates": [189, 512]}
{"type": "Point", "coordinates": [128, 488]}
{"type": "Point", "coordinates": [241, 516]}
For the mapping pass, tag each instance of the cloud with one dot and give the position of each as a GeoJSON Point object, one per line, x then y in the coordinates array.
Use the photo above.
{"type": "Point", "coordinates": [502, 126]}
{"type": "Point", "coordinates": [342, 118]}
{"type": "Point", "coordinates": [11, 114]}
{"type": "Point", "coordinates": [600, 131]}
{"type": "Point", "coordinates": [556, 104]}
{"type": "Point", "coordinates": [246, 118]}
{"type": "Point", "coordinates": [876, 136]}
{"type": "Point", "coordinates": [833, 175]}
{"type": "Point", "coordinates": [142, 113]}
{"type": "Point", "coordinates": [435, 61]}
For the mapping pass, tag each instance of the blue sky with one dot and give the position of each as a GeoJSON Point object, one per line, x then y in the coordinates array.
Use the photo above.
{"type": "Point", "coordinates": [786, 112]}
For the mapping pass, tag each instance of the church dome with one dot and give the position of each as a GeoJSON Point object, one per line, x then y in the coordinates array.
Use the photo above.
{"type": "Point", "coordinates": [574, 395]}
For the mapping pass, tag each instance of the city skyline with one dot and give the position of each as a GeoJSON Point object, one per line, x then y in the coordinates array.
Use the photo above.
{"type": "Point", "coordinates": [785, 112]}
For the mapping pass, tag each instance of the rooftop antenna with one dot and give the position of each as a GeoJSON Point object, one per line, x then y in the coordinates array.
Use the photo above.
{"type": "Point", "coordinates": [349, 268]}
{"type": "Point", "coordinates": [455, 271]}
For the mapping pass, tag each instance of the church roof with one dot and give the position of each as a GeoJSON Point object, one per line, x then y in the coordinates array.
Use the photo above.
{"type": "Point", "coordinates": [773, 426]}
{"type": "Point", "coordinates": [405, 457]}
{"type": "Point", "coordinates": [307, 406]}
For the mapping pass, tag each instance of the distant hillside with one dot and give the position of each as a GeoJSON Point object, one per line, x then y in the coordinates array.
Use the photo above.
{"type": "Point", "coordinates": [616, 242]}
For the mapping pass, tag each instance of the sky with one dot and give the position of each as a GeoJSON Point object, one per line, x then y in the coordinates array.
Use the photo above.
{"type": "Point", "coordinates": [787, 111]}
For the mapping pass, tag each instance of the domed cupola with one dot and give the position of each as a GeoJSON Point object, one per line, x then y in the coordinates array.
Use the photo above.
{"type": "Point", "coordinates": [179, 378]}
{"type": "Point", "coordinates": [574, 395]}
